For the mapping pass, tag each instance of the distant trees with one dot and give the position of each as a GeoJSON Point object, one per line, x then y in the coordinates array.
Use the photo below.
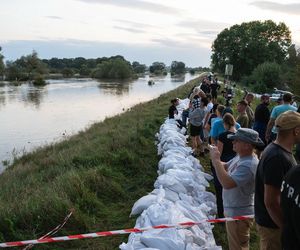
{"type": "Point", "coordinates": [32, 68]}
{"type": "Point", "coordinates": [177, 68]}
{"type": "Point", "coordinates": [158, 68]}
{"type": "Point", "coordinates": [249, 44]}
{"type": "Point", "coordinates": [138, 68]}
{"type": "Point", "coordinates": [26, 68]}
{"type": "Point", "coordinates": [114, 68]}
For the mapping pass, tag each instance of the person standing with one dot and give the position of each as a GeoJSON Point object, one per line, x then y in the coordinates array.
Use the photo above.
{"type": "Point", "coordinates": [262, 117]}
{"type": "Point", "coordinates": [197, 112]}
{"type": "Point", "coordinates": [215, 86]}
{"type": "Point", "coordinates": [205, 86]}
{"type": "Point", "coordinates": [277, 110]}
{"type": "Point", "coordinates": [237, 178]}
{"type": "Point", "coordinates": [276, 160]}
{"type": "Point", "coordinates": [290, 205]}
{"type": "Point", "coordinates": [242, 118]}
{"type": "Point", "coordinates": [249, 99]}
{"type": "Point", "coordinates": [225, 148]}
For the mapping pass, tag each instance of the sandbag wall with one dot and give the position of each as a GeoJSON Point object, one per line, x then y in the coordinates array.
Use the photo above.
{"type": "Point", "coordinates": [179, 195]}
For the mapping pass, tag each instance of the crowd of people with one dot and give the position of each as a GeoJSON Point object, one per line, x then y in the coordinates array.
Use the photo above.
{"type": "Point", "coordinates": [252, 161]}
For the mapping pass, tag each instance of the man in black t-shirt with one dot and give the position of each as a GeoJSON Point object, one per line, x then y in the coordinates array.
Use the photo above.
{"type": "Point", "coordinates": [275, 162]}
{"type": "Point", "coordinates": [262, 117]}
{"type": "Point", "coordinates": [205, 86]}
{"type": "Point", "coordinates": [290, 205]}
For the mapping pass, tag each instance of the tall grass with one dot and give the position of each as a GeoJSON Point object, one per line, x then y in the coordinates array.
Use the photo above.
{"type": "Point", "coordinates": [99, 173]}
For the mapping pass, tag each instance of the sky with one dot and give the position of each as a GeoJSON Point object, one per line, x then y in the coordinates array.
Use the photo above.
{"type": "Point", "coordinates": [140, 30]}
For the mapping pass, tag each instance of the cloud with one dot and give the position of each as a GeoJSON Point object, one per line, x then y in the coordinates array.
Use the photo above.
{"type": "Point", "coordinates": [132, 30]}
{"type": "Point", "coordinates": [202, 25]}
{"type": "Point", "coordinates": [291, 8]}
{"type": "Point", "coordinates": [133, 27]}
{"type": "Point", "coordinates": [135, 24]}
{"type": "Point", "coordinates": [54, 17]}
{"type": "Point", "coordinates": [184, 42]}
{"type": "Point", "coordinates": [163, 50]}
{"type": "Point", "coordinates": [137, 4]}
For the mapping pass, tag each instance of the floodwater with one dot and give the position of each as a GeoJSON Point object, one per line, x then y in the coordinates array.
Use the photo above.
{"type": "Point", "coordinates": [34, 116]}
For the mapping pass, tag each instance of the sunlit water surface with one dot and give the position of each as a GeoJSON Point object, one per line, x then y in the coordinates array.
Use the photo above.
{"type": "Point", "coordinates": [33, 116]}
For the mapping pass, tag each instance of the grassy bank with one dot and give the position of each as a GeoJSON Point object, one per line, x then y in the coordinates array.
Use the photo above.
{"type": "Point", "coordinates": [99, 173]}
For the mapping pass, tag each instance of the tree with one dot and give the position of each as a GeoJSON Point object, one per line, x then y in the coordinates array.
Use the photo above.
{"type": "Point", "coordinates": [30, 66]}
{"type": "Point", "coordinates": [249, 44]}
{"type": "Point", "coordinates": [138, 68]}
{"type": "Point", "coordinates": [114, 68]}
{"type": "Point", "coordinates": [177, 68]}
{"type": "Point", "coordinates": [266, 76]}
{"type": "Point", "coordinates": [157, 68]}
{"type": "Point", "coordinates": [67, 72]}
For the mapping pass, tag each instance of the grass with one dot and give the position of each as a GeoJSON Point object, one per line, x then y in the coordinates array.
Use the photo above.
{"type": "Point", "coordinates": [99, 173]}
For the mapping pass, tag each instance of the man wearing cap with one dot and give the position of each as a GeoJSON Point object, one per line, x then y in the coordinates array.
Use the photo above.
{"type": "Point", "coordinates": [276, 160]}
{"type": "Point", "coordinates": [287, 99]}
{"type": "Point", "coordinates": [237, 179]}
{"type": "Point", "coordinates": [262, 116]}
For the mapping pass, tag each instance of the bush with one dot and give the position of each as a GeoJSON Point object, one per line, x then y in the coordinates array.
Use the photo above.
{"type": "Point", "coordinates": [113, 69]}
{"type": "Point", "coordinates": [268, 74]}
{"type": "Point", "coordinates": [67, 72]}
{"type": "Point", "coordinates": [39, 80]}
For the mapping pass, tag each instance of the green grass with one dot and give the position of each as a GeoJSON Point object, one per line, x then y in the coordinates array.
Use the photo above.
{"type": "Point", "coordinates": [99, 173]}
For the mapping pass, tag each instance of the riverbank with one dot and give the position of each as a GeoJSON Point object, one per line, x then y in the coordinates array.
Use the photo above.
{"type": "Point", "coordinates": [100, 173]}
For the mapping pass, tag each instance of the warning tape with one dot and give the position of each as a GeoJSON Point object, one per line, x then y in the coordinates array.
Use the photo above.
{"type": "Point", "coordinates": [53, 231]}
{"type": "Point", "coordinates": [118, 232]}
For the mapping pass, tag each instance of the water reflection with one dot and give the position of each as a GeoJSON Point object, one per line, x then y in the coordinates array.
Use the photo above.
{"type": "Point", "coordinates": [2, 98]}
{"type": "Point", "coordinates": [34, 96]}
{"type": "Point", "coordinates": [178, 78]}
{"type": "Point", "coordinates": [115, 88]}
{"type": "Point", "coordinates": [32, 116]}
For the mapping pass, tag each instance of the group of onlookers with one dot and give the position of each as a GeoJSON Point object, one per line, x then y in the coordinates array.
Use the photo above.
{"type": "Point", "coordinates": [253, 166]}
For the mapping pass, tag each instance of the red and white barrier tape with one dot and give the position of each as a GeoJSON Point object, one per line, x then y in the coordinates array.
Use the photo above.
{"type": "Point", "coordinates": [118, 232]}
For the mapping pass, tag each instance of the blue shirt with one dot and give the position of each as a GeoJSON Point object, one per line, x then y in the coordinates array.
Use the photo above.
{"type": "Point", "coordinates": [217, 127]}
{"type": "Point", "coordinates": [278, 110]}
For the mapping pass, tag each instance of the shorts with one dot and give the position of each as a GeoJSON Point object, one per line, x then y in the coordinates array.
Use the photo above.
{"type": "Point", "coordinates": [195, 130]}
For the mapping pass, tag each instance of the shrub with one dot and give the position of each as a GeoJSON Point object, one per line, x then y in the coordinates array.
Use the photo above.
{"type": "Point", "coordinates": [268, 74]}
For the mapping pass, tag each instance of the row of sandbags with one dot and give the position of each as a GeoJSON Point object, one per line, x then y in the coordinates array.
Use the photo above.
{"type": "Point", "coordinates": [179, 195]}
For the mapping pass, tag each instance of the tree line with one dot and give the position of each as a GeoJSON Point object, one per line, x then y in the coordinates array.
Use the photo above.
{"type": "Point", "coordinates": [261, 53]}
{"type": "Point", "coordinates": [32, 68]}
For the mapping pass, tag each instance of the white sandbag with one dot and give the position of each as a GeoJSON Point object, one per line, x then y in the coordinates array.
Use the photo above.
{"type": "Point", "coordinates": [163, 239]}
{"type": "Point", "coordinates": [143, 203]}
{"type": "Point", "coordinates": [134, 243]}
{"type": "Point", "coordinates": [170, 182]}
{"type": "Point", "coordinates": [169, 194]}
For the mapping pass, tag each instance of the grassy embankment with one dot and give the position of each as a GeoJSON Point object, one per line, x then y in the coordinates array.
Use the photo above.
{"type": "Point", "coordinates": [100, 173]}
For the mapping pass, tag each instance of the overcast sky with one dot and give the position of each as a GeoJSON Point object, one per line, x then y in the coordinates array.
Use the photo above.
{"type": "Point", "coordinates": [140, 30]}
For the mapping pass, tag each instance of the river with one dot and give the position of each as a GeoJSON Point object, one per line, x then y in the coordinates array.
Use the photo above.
{"type": "Point", "coordinates": [35, 116]}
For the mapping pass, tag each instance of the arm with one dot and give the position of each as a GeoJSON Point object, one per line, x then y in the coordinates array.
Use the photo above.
{"type": "Point", "coordinates": [272, 203]}
{"type": "Point", "coordinates": [269, 128]}
{"type": "Point", "coordinates": [220, 146]}
{"type": "Point", "coordinates": [206, 119]}
{"type": "Point", "coordinates": [226, 181]}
